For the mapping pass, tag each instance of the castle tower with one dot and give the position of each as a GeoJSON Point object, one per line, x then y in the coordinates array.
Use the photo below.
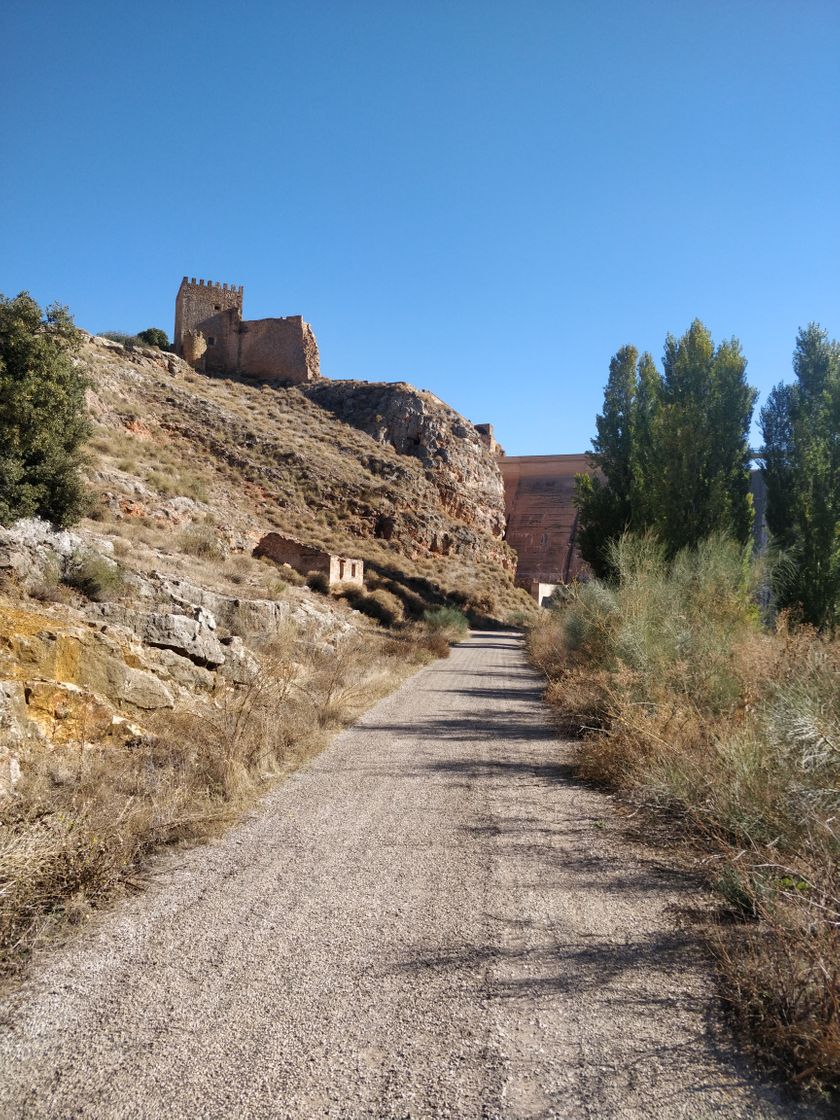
{"type": "Point", "coordinates": [212, 336]}
{"type": "Point", "coordinates": [207, 319]}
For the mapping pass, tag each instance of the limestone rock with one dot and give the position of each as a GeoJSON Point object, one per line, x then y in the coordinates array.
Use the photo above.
{"type": "Point", "coordinates": [417, 423]}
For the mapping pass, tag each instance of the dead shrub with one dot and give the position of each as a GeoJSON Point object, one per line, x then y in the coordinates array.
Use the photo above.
{"type": "Point", "coordinates": [82, 820]}
{"type": "Point", "coordinates": [729, 733]}
{"type": "Point", "coordinates": [201, 541]}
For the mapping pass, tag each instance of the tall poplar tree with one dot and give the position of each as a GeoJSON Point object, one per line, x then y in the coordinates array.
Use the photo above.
{"type": "Point", "coordinates": [801, 428]}
{"type": "Point", "coordinates": [701, 483]}
{"type": "Point", "coordinates": [671, 453]}
{"type": "Point", "coordinates": [604, 498]}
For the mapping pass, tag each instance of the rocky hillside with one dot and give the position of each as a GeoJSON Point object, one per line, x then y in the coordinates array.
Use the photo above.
{"type": "Point", "coordinates": [154, 673]}
{"type": "Point", "coordinates": [385, 472]}
{"type": "Point", "coordinates": [416, 423]}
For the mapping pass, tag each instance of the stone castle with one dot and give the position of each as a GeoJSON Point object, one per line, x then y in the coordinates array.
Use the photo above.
{"type": "Point", "coordinates": [212, 336]}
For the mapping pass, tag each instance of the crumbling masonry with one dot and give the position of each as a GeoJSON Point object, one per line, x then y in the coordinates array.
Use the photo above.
{"type": "Point", "coordinates": [212, 336]}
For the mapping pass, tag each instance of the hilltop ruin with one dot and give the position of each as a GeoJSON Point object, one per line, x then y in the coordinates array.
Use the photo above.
{"type": "Point", "coordinates": [212, 336]}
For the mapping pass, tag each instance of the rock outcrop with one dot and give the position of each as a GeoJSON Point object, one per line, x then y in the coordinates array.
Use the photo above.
{"type": "Point", "coordinates": [73, 670]}
{"type": "Point", "coordinates": [332, 464]}
{"type": "Point", "coordinates": [414, 422]}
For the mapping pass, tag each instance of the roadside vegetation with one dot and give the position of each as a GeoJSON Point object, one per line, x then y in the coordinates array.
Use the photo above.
{"type": "Point", "coordinates": [729, 732]}
{"type": "Point", "coordinates": [84, 818]}
{"type": "Point", "coordinates": [703, 679]}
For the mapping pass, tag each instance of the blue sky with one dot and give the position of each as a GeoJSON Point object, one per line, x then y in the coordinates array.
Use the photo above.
{"type": "Point", "coordinates": [485, 199]}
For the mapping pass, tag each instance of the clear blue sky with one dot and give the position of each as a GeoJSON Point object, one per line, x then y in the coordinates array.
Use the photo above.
{"type": "Point", "coordinates": [486, 199]}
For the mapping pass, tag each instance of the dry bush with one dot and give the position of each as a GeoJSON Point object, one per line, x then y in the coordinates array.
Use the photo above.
{"type": "Point", "coordinates": [81, 821]}
{"type": "Point", "coordinates": [98, 578]}
{"type": "Point", "coordinates": [201, 541]}
{"type": "Point", "coordinates": [318, 581]}
{"type": "Point", "coordinates": [731, 732]}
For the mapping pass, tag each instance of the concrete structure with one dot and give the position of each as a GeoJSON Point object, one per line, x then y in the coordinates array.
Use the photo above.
{"type": "Point", "coordinates": [540, 592]}
{"type": "Point", "coordinates": [304, 559]}
{"type": "Point", "coordinates": [541, 517]}
{"type": "Point", "coordinates": [212, 336]}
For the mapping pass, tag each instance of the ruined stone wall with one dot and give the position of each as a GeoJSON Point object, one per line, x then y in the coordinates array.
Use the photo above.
{"type": "Point", "coordinates": [345, 570]}
{"type": "Point", "coordinates": [301, 557]}
{"type": "Point", "coordinates": [278, 348]}
{"type": "Point", "coordinates": [304, 558]}
{"type": "Point", "coordinates": [541, 516]}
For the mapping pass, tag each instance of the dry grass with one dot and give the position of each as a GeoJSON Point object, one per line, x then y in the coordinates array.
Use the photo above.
{"type": "Point", "coordinates": [729, 731]}
{"type": "Point", "coordinates": [82, 821]}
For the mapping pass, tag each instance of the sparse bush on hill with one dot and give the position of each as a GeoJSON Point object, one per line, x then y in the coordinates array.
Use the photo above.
{"type": "Point", "coordinates": [154, 336]}
{"type": "Point", "coordinates": [97, 578]}
{"type": "Point", "coordinates": [318, 581]}
{"type": "Point", "coordinates": [689, 704]}
{"type": "Point", "coordinates": [380, 604]}
{"type": "Point", "coordinates": [43, 424]}
{"type": "Point", "coordinates": [201, 541]}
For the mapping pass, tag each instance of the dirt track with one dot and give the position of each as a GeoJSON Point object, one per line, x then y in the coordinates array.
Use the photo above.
{"type": "Point", "coordinates": [431, 920]}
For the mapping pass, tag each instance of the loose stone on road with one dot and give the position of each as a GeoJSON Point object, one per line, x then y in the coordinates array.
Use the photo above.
{"type": "Point", "coordinates": [432, 919]}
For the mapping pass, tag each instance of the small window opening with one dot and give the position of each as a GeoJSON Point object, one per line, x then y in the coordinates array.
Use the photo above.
{"type": "Point", "coordinates": [217, 307]}
{"type": "Point", "coordinates": [211, 341]}
{"type": "Point", "coordinates": [352, 571]}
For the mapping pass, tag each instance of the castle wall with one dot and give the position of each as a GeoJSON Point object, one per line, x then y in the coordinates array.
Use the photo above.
{"type": "Point", "coordinates": [278, 348]}
{"type": "Point", "coordinates": [215, 310]}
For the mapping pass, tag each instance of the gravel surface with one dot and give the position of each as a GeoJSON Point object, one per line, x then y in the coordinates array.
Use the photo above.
{"type": "Point", "coordinates": [433, 919]}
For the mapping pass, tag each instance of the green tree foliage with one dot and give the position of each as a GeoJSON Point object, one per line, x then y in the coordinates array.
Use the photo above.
{"type": "Point", "coordinates": [42, 413]}
{"type": "Point", "coordinates": [701, 481]}
{"type": "Point", "coordinates": [604, 498]}
{"type": "Point", "coordinates": [801, 428]}
{"type": "Point", "coordinates": [672, 452]}
{"type": "Point", "coordinates": [154, 336]}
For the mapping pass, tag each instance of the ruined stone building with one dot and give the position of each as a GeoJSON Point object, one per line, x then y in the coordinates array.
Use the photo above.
{"type": "Point", "coordinates": [306, 558]}
{"type": "Point", "coordinates": [212, 336]}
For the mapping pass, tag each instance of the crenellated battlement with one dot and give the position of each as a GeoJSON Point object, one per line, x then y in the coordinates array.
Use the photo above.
{"type": "Point", "coordinates": [191, 282]}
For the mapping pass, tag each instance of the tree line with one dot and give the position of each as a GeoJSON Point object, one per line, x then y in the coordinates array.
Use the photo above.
{"type": "Point", "coordinates": [671, 457]}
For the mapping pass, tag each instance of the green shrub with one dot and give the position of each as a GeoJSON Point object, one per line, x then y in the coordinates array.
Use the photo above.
{"type": "Point", "coordinates": [447, 620]}
{"type": "Point", "coordinates": [129, 341]}
{"type": "Point", "coordinates": [154, 336]}
{"type": "Point", "coordinates": [96, 577]}
{"type": "Point", "coordinates": [43, 422]}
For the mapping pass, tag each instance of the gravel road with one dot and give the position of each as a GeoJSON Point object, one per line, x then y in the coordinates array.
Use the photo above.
{"type": "Point", "coordinates": [432, 919]}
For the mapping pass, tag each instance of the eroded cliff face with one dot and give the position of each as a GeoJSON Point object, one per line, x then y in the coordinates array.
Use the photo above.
{"type": "Point", "coordinates": [378, 471]}
{"type": "Point", "coordinates": [414, 422]}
